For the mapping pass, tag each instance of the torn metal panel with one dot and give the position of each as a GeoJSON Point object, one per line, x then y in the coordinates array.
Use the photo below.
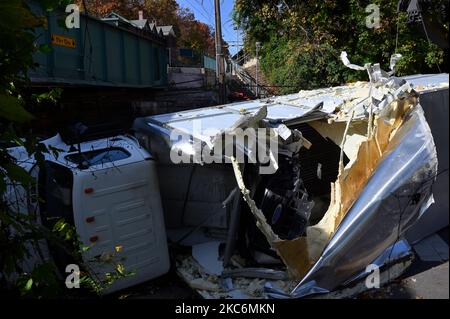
{"type": "Point", "coordinates": [390, 202]}
{"type": "Point", "coordinates": [376, 74]}
{"type": "Point", "coordinates": [392, 263]}
{"type": "Point", "coordinates": [423, 83]}
{"type": "Point", "coordinates": [299, 254]}
{"type": "Point", "coordinates": [400, 250]}
{"type": "Point", "coordinates": [204, 125]}
{"type": "Point", "coordinates": [391, 177]}
{"type": "Point", "coordinates": [349, 65]}
{"type": "Point", "coordinates": [304, 106]}
{"type": "Point", "coordinates": [207, 255]}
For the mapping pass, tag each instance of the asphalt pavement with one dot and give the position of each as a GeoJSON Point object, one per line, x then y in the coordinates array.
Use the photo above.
{"type": "Point", "coordinates": [428, 276]}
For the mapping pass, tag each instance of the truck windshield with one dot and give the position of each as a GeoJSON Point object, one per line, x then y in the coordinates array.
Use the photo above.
{"type": "Point", "coordinates": [98, 157]}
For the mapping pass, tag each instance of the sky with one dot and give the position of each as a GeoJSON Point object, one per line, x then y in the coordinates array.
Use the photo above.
{"type": "Point", "coordinates": [204, 12]}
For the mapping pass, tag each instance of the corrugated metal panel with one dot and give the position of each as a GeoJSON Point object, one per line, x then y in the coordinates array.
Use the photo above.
{"type": "Point", "coordinates": [101, 55]}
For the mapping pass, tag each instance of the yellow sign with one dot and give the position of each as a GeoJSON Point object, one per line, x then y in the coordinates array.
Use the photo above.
{"type": "Point", "coordinates": [63, 41]}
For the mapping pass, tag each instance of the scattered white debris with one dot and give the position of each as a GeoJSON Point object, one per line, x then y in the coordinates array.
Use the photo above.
{"type": "Point", "coordinates": [207, 255]}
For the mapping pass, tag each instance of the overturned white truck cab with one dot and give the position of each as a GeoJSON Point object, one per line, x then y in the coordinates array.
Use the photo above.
{"type": "Point", "coordinates": [108, 189]}
{"type": "Point", "coordinates": [285, 197]}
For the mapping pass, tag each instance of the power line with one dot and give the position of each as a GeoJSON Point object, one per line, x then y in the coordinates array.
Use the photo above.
{"type": "Point", "coordinates": [210, 7]}
{"type": "Point", "coordinates": [225, 25]}
{"type": "Point", "coordinates": [199, 7]}
{"type": "Point", "coordinates": [204, 9]}
{"type": "Point", "coordinates": [207, 17]}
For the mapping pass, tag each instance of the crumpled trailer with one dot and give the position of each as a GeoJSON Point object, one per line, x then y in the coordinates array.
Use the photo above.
{"type": "Point", "coordinates": [350, 171]}
{"type": "Point", "coordinates": [355, 170]}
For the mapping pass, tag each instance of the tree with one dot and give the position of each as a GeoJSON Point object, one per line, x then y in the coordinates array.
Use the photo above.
{"type": "Point", "coordinates": [302, 40]}
{"type": "Point", "coordinates": [100, 8]}
{"type": "Point", "coordinates": [20, 233]}
{"type": "Point", "coordinates": [163, 12]}
{"type": "Point", "coordinates": [194, 34]}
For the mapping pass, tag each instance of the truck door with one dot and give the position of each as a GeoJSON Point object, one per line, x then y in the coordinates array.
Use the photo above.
{"type": "Point", "coordinates": [117, 211]}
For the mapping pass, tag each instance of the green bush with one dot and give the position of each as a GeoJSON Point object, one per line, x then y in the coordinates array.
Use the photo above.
{"type": "Point", "coordinates": [302, 40]}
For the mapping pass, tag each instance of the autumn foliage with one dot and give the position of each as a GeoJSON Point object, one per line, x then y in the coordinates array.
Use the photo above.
{"type": "Point", "coordinates": [191, 33]}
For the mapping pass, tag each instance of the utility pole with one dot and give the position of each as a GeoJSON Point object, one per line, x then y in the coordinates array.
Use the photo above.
{"type": "Point", "coordinates": [258, 45]}
{"type": "Point", "coordinates": [220, 66]}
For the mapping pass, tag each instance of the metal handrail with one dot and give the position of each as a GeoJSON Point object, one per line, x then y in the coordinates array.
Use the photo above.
{"type": "Point", "coordinates": [249, 81]}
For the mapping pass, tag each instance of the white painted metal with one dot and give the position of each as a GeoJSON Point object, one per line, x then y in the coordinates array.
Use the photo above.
{"type": "Point", "coordinates": [128, 218]}
{"type": "Point", "coordinates": [125, 203]}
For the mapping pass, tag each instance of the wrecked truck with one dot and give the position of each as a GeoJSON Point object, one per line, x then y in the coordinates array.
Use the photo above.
{"type": "Point", "coordinates": [284, 197]}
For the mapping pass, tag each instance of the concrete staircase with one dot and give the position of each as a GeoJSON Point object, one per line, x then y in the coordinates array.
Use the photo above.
{"type": "Point", "coordinates": [241, 80]}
